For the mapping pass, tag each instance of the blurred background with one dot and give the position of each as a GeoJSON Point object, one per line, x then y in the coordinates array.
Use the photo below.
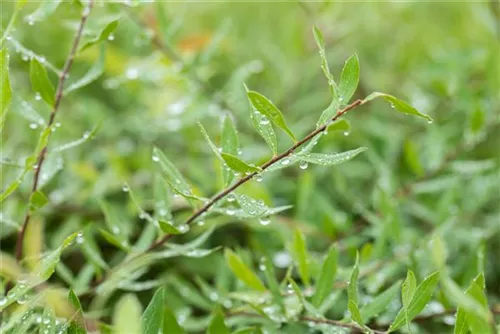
{"type": "Point", "coordinates": [170, 65]}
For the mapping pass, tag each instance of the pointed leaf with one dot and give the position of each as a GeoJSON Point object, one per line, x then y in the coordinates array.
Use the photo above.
{"type": "Point", "coordinates": [264, 127]}
{"type": "Point", "coordinates": [93, 74]}
{"type": "Point", "coordinates": [408, 289]}
{"type": "Point", "coordinates": [253, 207]}
{"type": "Point", "coordinates": [212, 146]}
{"type": "Point", "coordinates": [242, 271]}
{"type": "Point", "coordinates": [270, 275]}
{"type": "Point", "coordinates": [170, 324]}
{"type": "Point", "coordinates": [398, 104]}
{"type": "Point", "coordinates": [168, 227]}
{"type": "Point", "coordinates": [299, 251]}
{"type": "Point", "coordinates": [352, 289]}
{"type": "Point", "coordinates": [38, 200]}
{"type": "Point", "coordinates": [40, 82]}
{"type": "Point", "coordinates": [229, 145]}
{"type": "Point", "coordinates": [152, 318]}
{"type": "Point", "coordinates": [331, 159]}
{"type": "Point", "coordinates": [238, 165]}
{"type": "Point", "coordinates": [329, 112]}
{"type": "Point", "coordinates": [421, 297]}
{"type": "Point", "coordinates": [5, 90]}
{"type": "Point", "coordinates": [324, 285]}
{"type": "Point", "coordinates": [174, 177]}
{"type": "Point", "coordinates": [355, 315]}
{"type": "Point", "coordinates": [349, 79]}
{"type": "Point", "coordinates": [268, 109]}
{"type": "Point", "coordinates": [217, 324]}
{"type": "Point", "coordinates": [340, 125]}
{"type": "Point", "coordinates": [320, 42]}
{"type": "Point", "coordinates": [380, 303]}
{"type": "Point", "coordinates": [103, 35]}
{"type": "Point", "coordinates": [127, 315]}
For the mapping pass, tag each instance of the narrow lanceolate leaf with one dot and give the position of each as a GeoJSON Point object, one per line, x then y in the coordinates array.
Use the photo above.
{"type": "Point", "coordinates": [242, 271]}
{"type": "Point", "coordinates": [355, 315]}
{"type": "Point", "coordinates": [77, 324]}
{"type": "Point", "coordinates": [398, 104]}
{"type": "Point", "coordinates": [329, 112]}
{"type": "Point", "coordinates": [47, 265]}
{"type": "Point", "coordinates": [272, 281]}
{"type": "Point", "coordinates": [330, 159]}
{"type": "Point", "coordinates": [170, 324]}
{"type": "Point", "coordinates": [268, 109]}
{"type": "Point", "coordinates": [352, 289]}
{"type": "Point", "coordinates": [43, 11]}
{"type": "Point", "coordinates": [380, 303]}
{"type": "Point", "coordinates": [48, 325]}
{"type": "Point", "coordinates": [210, 143]}
{"type": "Point", "coordinates": [152, 318]}
{"type": "Point", "coordinates": [299, 251]}
{"type": "Point", "coordinates": [340, 125]}
{"type": "Point", "coordinates": [217, 324]}
{"type": "Point", "coordinates": [264, 127]}
{"type": "Point", "coordinates": [238, 165]}
{"type": "Point", "coordinates": [320, 42]}
{"type": "Point", "coordinates": [422, 295]}
{"type": "Point", "coordinates": [38, 200]}
{"type": "Point", "coordinates": [103, 35]}
{"type": "Point", "coordinates": [5, 90]}
{"type": "Point", "coordinates": [326, 279]}
{"type": "Point", "coordinates": [168, 227]}
{"type": "Point", "coordinates": [408, 289]}
{"type": "Point", "coordinates": [33, 243]}
{"type": "Point", "coordinates": [127, 315]}
{"type": "Point", "coordinates": [94, 72]}
{"type": "Point", "coordinates": [349, 79]}
{"type": "Point", "coordinates": [229, 144]}
{"type": "Point", "coordinates": [172, 174]}
{"type": "Point", "coordinates": [40, 82]}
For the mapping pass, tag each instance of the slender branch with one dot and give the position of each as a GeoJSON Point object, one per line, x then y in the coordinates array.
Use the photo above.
{"type": "Point", "coordinates": [263, 167]}
{"type": "Point", "coordinates": [58, 97]}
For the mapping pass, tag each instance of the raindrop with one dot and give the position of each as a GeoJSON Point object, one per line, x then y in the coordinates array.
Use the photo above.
{"type": "Point", "coordinates": [258, 177]}
{"type": "Point", "coordinates": [79, 238]}
{"type": "Point", "coordinates": [393, 106]}
{"type": "Point", "coordinates": [264, 220]}
{"type": "Point", "coordinates": [219, 149]}
{"type": "Point", "coordinates": [3, 301]}
{"type": "Point", "coordinates": [264, 121]}
{"type": "Point", "coordinates": [282, 259]}
{"type": "Point", "coordinates": [346, 133]}
{"type": "Point", "coordinates": [227, 303]}
{"type": "Point", "coordinates": [38, 97]}
{"type": "Point", "coordinates": [262, 267]}
{"type": "Point", "coordinates": [430, 121]}
{"type": "Point", "coordinates": [303, 164]}
{"type": "Point", "coordinates": [289, 288]}
{"type": "Point", "coordinates": [285, 161]}
{"type": "Point", "coordinates": [155, 158]}
{"type": "Point", "coordinates": [142, 215]}
{"type": "Point", "coordinates": [30, 20]}
{"type": "Point", "coordinates": [132, 73]}
{"type": "Point", "coordinates": [8, 37]}
{"type": "Point", "coordinates": [230, 211]}
{"type": "Point", "coordinates": [46, 321]}
{"type": "Point", "coordinates": [200, 223]}
{"type": "Point", "coordinates": [35, 167]}
{"type": "Point", "coordinates": [33, 126]}
{"type": "Point", "coordinates": [115, 229]}
{"type": "Point", "coordinates": [231, 198]}
{"type": "Point", "coordinates": [125, 188]}
{"type": "Point", "coordinates": [213, 296]}
{"type": "Point", "coordinates": [240, 152]}
{"type": "Point", "coordinates": [57, 124]}
{"type": "Point", "coordinates": [183, 228]}
{"type": "Point", "coordinates": [22, 300]}
{"type": "Point", "coordinates": [25, 57]}
{"type": "Point", "coordinates": [111, 37]}
{"type": "Point", "coordinates": [42, 60]}
{"type": "Point", "coordinates": [236, 174]}
{"type": "Point", "coordinates": [86, 134]}
{"type": "Point", "coordinates": [38, 319]}
{"type": "Point", "coordinates": [162, 212]}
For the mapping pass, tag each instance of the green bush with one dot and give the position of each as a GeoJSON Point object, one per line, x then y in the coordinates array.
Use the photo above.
{"type": "Point", "coordinates": [166, 167]}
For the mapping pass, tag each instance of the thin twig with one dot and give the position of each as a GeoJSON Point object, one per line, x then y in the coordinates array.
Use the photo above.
{"type": "Point", "coordinates": [263, 167]}
{"type": "Point", "coordinates": [58, 97]}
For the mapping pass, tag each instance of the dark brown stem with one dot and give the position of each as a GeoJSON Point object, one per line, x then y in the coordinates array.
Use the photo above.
{"type": "Point", "coordinates": [263, 167]}
{"type": "Point", "coordinates": [58, 97]}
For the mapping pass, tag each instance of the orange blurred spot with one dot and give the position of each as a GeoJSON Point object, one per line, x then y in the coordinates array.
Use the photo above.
{"type": "Point", "coordinates": [194, 43]}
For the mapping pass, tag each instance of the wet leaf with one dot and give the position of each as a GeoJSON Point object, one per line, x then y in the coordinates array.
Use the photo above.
{"type": "Point", "coordinates": [217, 324]}
{"type": "Point", "coordinates": [324, 285]}
{"type": "Point", "coordinates": [92, 75]}
{"type": "Point", "coordinates": [152, 318]}
{"type": "Point", "coordinates": [330, 159]}
{"type": "Point", "coordinates": [349, 79]}
{"type": "Point", "coordinates": [127, 315]}
{"type": "Point", "coordinates": [299, 251]}
{"type": "Point", "coordinates": [40, 82]}
{"type": "Point", "coordinates": [242, 271]}
{"type": "Point", "coordinates": [5, 89]}
{"type": "Point", "coordinates": [103, 35]}
{"type": "Point", "coordinates": [397, 104]}
{"type": "Point", "coordinates": [238, 165]}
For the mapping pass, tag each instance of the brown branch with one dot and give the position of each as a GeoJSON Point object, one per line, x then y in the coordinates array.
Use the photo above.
{"type": "Point", "coordinates": [58, 97]}
{"type": "Point", "coordinates": [263, 167]}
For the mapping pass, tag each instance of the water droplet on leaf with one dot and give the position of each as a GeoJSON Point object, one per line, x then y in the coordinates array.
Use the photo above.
{"type": "Point", "coordinates": [303, 164]}
{"type": "Point", "coordinates": [231, 198]}
{"type": "Point", "coordinates": [264, 220]}
{"type": "Point", "coordinates": [285, 161]}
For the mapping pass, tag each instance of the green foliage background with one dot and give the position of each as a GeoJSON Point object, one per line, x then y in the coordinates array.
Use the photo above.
{"type": "Point", "coordinates": [423, 196]}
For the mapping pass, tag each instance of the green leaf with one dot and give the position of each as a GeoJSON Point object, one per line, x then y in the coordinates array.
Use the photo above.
{"type": "Point", "coordinates": [77, 323]}
{"type": "Point", "coordinates": [127, 315]}
{"type": "Point", "coordinates": [270, 275]}
{"type": "Point", "coordinates": [212, 146]}
{"type": "Point", "coordinates": [398, 104]}
{"type": "Point", "coordinates": [38, 200]}
{"type": "Point", "coordinates": [477, 120]}
{"type": "Point", "coordinates": [48, 325]}
{"type": "Point", "coordinates": [421, 297]}
{"type": "Point", "coordinates": [340, 125]}
{"type": "Point", "coordinates": [380, 303]}
{"type": "Point", "coordinates": [320, 42]}
{"type": "Point", "coordinates": [91, 249]}
{"type": "Point", "coordinates": [115, 240]}
{"type": "Point", "coordinates": [478, 324]}
{"type": "Point", "coordinates": [238, 165]}
{"type": "Point", "coordinates": [330, 159]}
{"type": "Point", "coordinates": [329, 112]}
{"type": "Point", "coordinates": [352, 289]}
{"type": "Point", "coordinates": [253, 207]}
{"type": "Point", "coordinates": [264, 127]}
{"type": "Point", "coordinates": [242, 271]}
{"type": "Point", "coordinates": [439, 252]}
{"type": "Point", "coordinates": [461, 326]}
{"type": "Point", "coordinates": [152, 318]}
{"type": "Point", "coordinates": [172, 174]}
{"type": "Point", "coordinates": [47, 265]}
{"type": "Point", "coordinates": [43, 11]}
{"type": "Point", "coordinates": [93, 74]}
{"type": "Point", "coordinates": [88, 135]}
{"type": "Point", "coordinates": [5, 90]}
{"type": "Point", "coordinates": [170, 324]}
{"type": "Point", "coordinates": [408, 289]}
{"type": "Point", "coordinates": [268, 109]}
{"type": "Point", "coordinates": [355, 315]}
{"type": "Point", "coordinates": [299, 251]}
{"type": "Point", "coordinates": [324, 285]}
{"type": "Point", "coordinates": [217, 324]}
{"type": "Point", "coordinates": [229, 145]}
{"type": "Point", "coordinates": [103, 35]}
{"type": "Point", "coordinates": [40, 82]}
{"type": "Point", "coordinates": [27, 319]}
{"type": "Point", "coordinates": [412, 158]}
{"type": "Point", "coordinates": [349, 79]}
{"type": "Point", "coordinates": [168, 227]}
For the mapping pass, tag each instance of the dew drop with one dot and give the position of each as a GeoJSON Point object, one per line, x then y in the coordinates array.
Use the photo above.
{"type": "Point", "coordinates": [33, 126]}
{"type": "Point", "coordinates": [111, 37]}
{"type": "Point", "coordinates": [393, 106]}
{"type": "Point", "coordinates": [285, 162]}
{"type": "Point", "coordinates": [162, 212]}
{"type": "Point", "coordinates": [200, 222]}
{"type": "Point", "coordinates": [183, 228]}
{"type": "Point", "coordinates": [346, 133]}
{"type": "Point", "coordinates": [57, 124]}
{"type": "Point", "coordinates": [289, 288]}
{"type": "Point", "coordinates": [115, 229]}
{"type": "Point", "coordinates": [264, 221]}
{"type": "Point", "coordinates": [25, 57]}
{"type": "Point", "coordinates": [9, 37]}
{"type": "Point", "coordinates": [79, 238]}
{"type": "Point", "coordinates": [125, 188]}
{"type": "Point", "coordinates": [303, 165]}
{"type": "Point", "coordinates": [142, 215]}
{"type": "Point", "coordinates": [231, 198]}
{"type": "Point", "coordinates": [42, 60]}
{"type": "Point", "coordinates": [258, 177]}
{"type": "Point", "coordinates": [264, 121]}
{"type": "Point", "coordinates": [86, 134]}
{"type": "Point", "coordinates": [132, 73]}
{"type": "Point", "coordinates": [3, 301]}
{"type": "Point", "coordinates": [155, 158]}
{"type": "Point", "coordinates": [262, 267]}
{"type": "Point", "coordinates": [240, 152]}
{"type": "Point", "coordinates": [46, 321]}
{"type": "Point", "coordinates": [430, 121]}
{"type": "Point", "coordinates": [38, 97]}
